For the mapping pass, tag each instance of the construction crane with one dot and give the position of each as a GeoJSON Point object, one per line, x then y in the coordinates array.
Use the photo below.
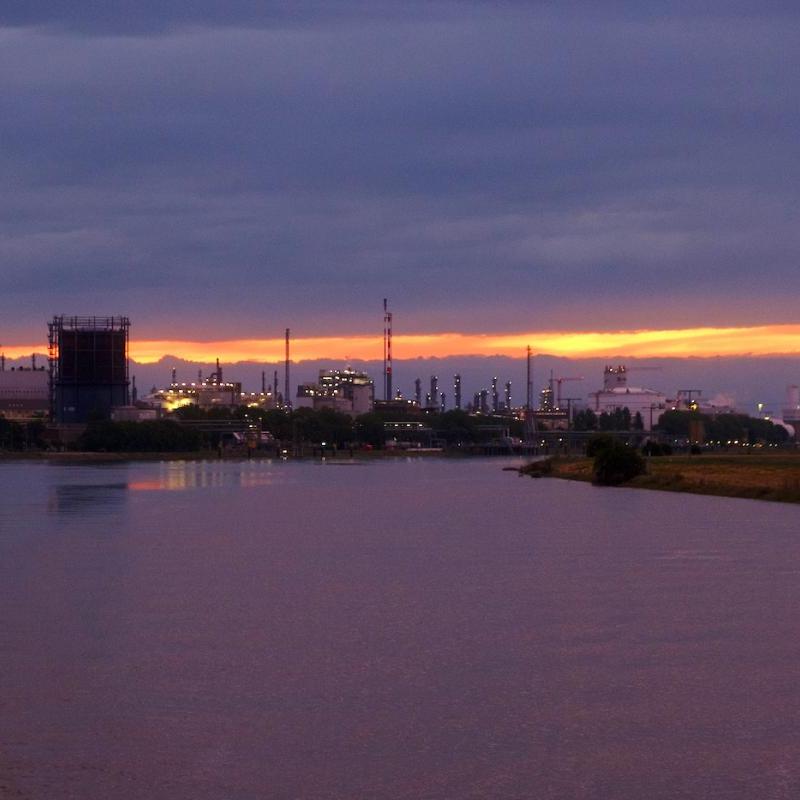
{"type": "Point", "coordinates": [558, 382]}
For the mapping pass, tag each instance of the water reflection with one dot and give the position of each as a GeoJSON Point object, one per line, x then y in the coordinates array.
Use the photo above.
{"type": "Point", "coordinates": [183, 475]}
{"type": "Point", "coordinates": [174, 476]}
{"type": "Point", "coordinates": [78, 498]}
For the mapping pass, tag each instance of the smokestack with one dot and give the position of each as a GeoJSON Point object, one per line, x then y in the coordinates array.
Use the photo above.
{"type": "Point", "coordinates": [434, 390]}
{"type": "Point", "coordinates": [263, 382]}
{"type": "Point", "coordinates": [134, 391]}
{"type": "Point", "coordinates": [387, 351]}
{"type": "Point", "coordinates": [33, 360]}
{"type": "Point", "coordinates": [174, 375]}
{"type": "Point", "coordinates": [286, 396]}
{"type": "Point", "coordinates": [219, 372]}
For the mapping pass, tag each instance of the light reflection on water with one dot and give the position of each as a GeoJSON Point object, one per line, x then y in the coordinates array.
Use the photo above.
{"type": "Point", "coordinates": [83, 495]}
{"type": "Point", "coordinates": [181, 475]}
{"type": "Point", "coordinates": [423, 629]}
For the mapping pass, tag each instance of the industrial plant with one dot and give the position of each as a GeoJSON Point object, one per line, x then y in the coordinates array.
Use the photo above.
{"type": "Point", "coordinates": [346, 390]}
{"type": "Point", "coordinates": [87, 378]}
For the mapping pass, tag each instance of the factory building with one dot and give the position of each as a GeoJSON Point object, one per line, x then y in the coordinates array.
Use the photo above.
{"type": "Point", "coordinates": [346, 390]}
{"type": "Point", "coordinates": [617, 394]}
{"type": "Point", "coordinates": [791, 411]}
{"type": "Point", "coordinates": [135, 414]}
{"type": "Point", "coordinates": [24, 393]}
{"type": "Point", "coordinates": [88, 367]}
{"type": "Point", "coordinates": [210, 392]}
{"type": "Point", "coordinates": [693, 400]}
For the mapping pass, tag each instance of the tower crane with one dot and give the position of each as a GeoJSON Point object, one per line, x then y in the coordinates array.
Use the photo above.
{"type": "Point", "coordinates": [558, 382]}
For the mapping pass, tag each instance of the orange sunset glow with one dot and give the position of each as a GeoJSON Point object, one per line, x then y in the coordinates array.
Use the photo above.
{"type": "Point", "coordinates": [668, 343]}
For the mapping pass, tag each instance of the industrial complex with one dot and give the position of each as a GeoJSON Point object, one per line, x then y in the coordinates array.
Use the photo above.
{"type": "Point", "coordinates": [87, 378]}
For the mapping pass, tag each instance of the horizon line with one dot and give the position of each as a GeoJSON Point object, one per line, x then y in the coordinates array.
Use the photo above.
{"type": "Point", "coordinates": [705, 342]}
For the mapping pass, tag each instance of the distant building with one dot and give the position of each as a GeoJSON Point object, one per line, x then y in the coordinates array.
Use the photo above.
{"type": "Point", "coordinates": [346, 390]}
{"type": "Point", "coordinates": [791, 411]}
{"type": "Point", "coordinates": [134, 414]}
{"type": "Point", "coordinates": [692, 400]}
{"type": "Point", "coordinates": [209, 392]}
{"type": "Point", "coordinates": [401, 406]}
{"type": "Point", "coordinates": [616, 394]}
{"type": "Point", "coordinates": [24, 393]}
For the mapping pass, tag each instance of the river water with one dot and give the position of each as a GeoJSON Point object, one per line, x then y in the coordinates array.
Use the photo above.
{"type": "Point", "coordinates": [404, 629]}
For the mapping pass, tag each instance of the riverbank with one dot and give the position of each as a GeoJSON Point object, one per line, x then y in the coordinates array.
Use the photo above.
{"type": "Point", "coordinates": [759, 477]}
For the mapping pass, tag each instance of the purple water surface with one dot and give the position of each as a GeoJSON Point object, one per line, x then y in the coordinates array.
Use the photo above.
{"type": "Point", "coordinates": [423, 629]}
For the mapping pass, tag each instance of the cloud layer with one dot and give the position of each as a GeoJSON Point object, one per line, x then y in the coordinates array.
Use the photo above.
{"type": "Point", "coordinates": [229, 169]}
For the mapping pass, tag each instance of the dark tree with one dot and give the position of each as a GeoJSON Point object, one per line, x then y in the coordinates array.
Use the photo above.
{"type": "Point", "coordinates": [617, 464]}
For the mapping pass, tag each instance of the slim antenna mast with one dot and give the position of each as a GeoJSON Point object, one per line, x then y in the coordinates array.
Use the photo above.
{"type": "Point", "coordinates": [286, 400]}
{"type": "Point", "coordinates": [528, 383]}
{"type": "Point", "coordinates": [387, 351]}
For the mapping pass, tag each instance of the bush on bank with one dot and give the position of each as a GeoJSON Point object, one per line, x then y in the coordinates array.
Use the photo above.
{"type": "Point", "coordinates": [598, 442]}
{"type": "Point", "coordinates": [20, 435]}
{"type": "Point", "coordinates": [656, 449]}
{"type": "Point", "coordinates": [616, 463]}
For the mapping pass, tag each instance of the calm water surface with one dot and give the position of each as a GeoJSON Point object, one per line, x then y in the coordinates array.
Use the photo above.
{"type": "Point", "coordinates": [416, 630]}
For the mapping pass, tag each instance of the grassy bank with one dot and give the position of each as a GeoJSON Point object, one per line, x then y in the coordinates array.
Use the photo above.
{"type": "Point", "coordinates": [761, 477]}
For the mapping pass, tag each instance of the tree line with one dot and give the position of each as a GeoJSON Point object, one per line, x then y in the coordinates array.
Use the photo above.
{"type": "Point", "coordinates": [676, 424]}
{"type": "Point", "coordinates": [307, 426]}
{"type": "Point", "coordinates": [301, 426]}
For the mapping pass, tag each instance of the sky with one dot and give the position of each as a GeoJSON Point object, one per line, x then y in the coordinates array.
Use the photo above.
{"type": "Point", "coordinates": [500, 171]}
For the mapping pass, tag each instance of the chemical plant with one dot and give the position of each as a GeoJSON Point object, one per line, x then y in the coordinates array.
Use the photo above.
{"type": "Point", "coordinates": [87, 378]}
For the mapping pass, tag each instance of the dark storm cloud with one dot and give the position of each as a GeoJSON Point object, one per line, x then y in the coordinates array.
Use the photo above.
{"type": "Point", "coordinates": [497, 165]}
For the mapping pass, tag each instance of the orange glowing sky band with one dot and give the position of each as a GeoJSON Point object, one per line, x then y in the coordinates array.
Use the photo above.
{"type": "Point", "coordinates": [679, 343]}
